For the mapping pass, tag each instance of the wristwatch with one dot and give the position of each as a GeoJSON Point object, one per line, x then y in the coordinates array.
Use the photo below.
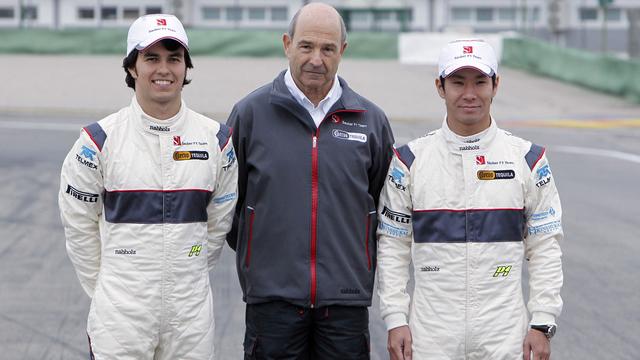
{"type": "Point", "coordinates": [547, 330]}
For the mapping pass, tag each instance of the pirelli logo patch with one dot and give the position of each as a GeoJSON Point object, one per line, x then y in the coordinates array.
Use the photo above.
{"type": "Point", "coordinates": [496, 174]}
{"type": "Point", "coordinates": [190, 155]}
{"type": "Point", "coordinates": [82, 195]}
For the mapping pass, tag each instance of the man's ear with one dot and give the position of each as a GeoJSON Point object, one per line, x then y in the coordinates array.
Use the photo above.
{"type": "Point", "coordinates": [133, 73]}
{"type": "Point", "coordinates": [440, 87]}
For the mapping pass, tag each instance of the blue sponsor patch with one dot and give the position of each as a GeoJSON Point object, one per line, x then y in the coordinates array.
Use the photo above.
{"type": "Point", "coordinates": [545, 228]}
{"type": "Point", "coordinates": [544, 214]}
{"type": "Point", "coordinates": [544, 171]}
{"type": "Point", "coordinates": [396, 177]}
{"type": "Point", "coordinates": [224, 198]}
{"type": "Point", "coordinates": [392, 230]}
{"type": "Point", "coordinates": [87, 153]}
{"type": "Point", "coordinates": [231, 158]}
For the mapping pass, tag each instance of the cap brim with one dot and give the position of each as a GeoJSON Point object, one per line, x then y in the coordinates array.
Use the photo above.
{"type": "Point", "coordinates": [485, 69]}
{"type": "Point", "coordinates": [145, 44]}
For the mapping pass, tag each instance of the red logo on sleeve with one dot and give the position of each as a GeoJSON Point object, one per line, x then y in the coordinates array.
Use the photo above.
{"type": "Point", "coordinates": [467, 49]}
{"type": "Point", "coordinates": [162, 22]}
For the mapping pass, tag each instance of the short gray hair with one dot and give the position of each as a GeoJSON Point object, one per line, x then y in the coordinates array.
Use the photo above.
{"type": "Point", "coordinates": [294, 22]}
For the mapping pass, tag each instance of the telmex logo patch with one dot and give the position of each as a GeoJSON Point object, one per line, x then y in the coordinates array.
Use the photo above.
{"type": "Point", "coordinates": [496, 174]}
{"type": "Point", "coordinates": [190, 155]}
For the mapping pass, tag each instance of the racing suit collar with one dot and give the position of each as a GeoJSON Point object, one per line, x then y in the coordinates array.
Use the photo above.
{"type": "Point", "coordinates": [469, 144]}
{"type": "Point", "coordinates": [155, 126]}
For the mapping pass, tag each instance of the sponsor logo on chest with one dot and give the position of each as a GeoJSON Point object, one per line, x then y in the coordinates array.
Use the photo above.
{"type": "Point", "coordinates": [352, 136]}
{"type": "Point", "coordinates": [496, 174]}
{"type": "Point", "coordinates": [190, 155]}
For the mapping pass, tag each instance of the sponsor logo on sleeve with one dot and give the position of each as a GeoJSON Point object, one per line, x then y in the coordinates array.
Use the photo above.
{"type": "Point", "coordinates": [85, 157]}
{"type": "Point", "coordinates": [352, 136]}
{"type": "Point", "coordinates": [545, 228]}
{"type": "Point", "coordinates": [396, 216]}
{"type": "Point", "coordinates": [190, 155]}
{"type": "Point", "coordinates": [543, 215]}
{"type": "Point", "coordinates": [496, 174]}
{"type": "Point", "coordinates": [544, 175]}
{"type": "Point", "coordinates": [231, 158]}
{"type": "Point", "coordinates": [224, 198]}
{"type": "Point", "coordinates": [81, 195]}
{"type": "Point", "coordinates": [392, 230]}
{"type": "Point", "coordinates": [396, 177]}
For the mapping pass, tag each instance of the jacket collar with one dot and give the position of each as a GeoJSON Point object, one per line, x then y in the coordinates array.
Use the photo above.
{"type": "Point", "coordinates": [152, 125]}
{"type": "Point", "coordinates": [280, 95]}
{"type": "Point", "coordinates": [472, 144]}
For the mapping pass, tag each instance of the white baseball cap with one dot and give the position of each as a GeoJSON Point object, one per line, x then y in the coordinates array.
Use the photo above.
{"type": "Point", "coordinates": [467, 53]}
{"type": "Point", "coordinates": [149, 29]}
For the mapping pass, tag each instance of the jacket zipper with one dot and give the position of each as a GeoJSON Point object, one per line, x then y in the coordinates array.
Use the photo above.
{"type": "Point", "coordinates": [314, 203]}
{"type": "Point", "coordinates": [247, 258]}
{"type": "Point", "coordinates": [366, 240]}
{"type": "Point", "coordinates": [314, 214]}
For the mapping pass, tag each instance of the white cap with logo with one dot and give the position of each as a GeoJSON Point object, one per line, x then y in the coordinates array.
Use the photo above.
{"type": "Point", "coordinates": [149, 29]}
{"type": "Point", "coordinates": [469, 53]}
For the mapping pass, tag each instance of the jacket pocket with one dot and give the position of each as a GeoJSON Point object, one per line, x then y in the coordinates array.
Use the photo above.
{"type": "Point", "coordinates": [251, 213]}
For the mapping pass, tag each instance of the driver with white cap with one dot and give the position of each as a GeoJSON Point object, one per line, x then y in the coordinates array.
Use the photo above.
{"type": "Point", "coordinates": [467, 204]}
{"type": "Point", "coordinates": [146, 198]}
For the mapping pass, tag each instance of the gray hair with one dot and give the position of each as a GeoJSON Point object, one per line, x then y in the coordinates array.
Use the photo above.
{"type": "Point", "coordinates": [294, 22]}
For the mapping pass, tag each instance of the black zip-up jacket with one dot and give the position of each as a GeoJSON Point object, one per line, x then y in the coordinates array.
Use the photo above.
{"type": "Point", "coordinates": [305, 224]}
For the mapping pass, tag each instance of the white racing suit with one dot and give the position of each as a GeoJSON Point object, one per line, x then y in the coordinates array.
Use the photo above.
{"type": "Point", "coordinates": [146, 205]}
{"type": "Point", "coordinates": [467, 214]}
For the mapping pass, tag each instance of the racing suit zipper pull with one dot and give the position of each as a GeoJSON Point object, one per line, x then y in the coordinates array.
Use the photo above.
{"type": "Point", "coordinates": [315, 141]}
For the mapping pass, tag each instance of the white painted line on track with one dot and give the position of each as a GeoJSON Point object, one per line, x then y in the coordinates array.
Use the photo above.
{"type": "Point", "coordinates": [597, 152]}
{"type": "Point", "coordinates": [26, 125]}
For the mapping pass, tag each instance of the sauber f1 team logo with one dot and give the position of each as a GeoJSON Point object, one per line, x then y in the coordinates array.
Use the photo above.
{"type": "Point", "coordinates": [467, 49]}
{"type": "Point", "coordinates": [161, 22]}
{"type": "Point", "coordinates": [177, 141]}
{"type": "Point", "coordinates": [480, 160]}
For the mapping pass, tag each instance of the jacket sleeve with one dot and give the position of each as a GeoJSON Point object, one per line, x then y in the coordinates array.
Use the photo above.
{"type": "Point", "coordinates": [80, 202]}
{"type": "Point", "coordinates": [238, 144]}
{"type": "Point", "coordinates": [221, 208]}
{"type": "Point", "coordinates": [381, 159]}
{"type": "Point", "coordinates": [542, 240]}
{"type": "Point", "coordinates": [395, 237]}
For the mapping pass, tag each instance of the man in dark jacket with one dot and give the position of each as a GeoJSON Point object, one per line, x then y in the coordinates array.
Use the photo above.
{"type": "Point", "coordinates": [312, 157]}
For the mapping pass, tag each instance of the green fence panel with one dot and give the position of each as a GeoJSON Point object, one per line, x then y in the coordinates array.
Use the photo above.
{"type": "Point", "coordinates": [250, 43]}
{"type": "Point", "coordinates": [596, 71]}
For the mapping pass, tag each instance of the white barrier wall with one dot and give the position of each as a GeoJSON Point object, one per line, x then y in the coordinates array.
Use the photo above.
{"type": "Point", "coordinates": [424, 48]}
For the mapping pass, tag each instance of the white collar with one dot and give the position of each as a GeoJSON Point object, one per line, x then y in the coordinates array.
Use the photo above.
{"type": "Point", "coordinates": [156, 126]}
{"type": "Point", "coordinates": [325, 104]}
{"type": "Point", "coordinates": [469, 144]}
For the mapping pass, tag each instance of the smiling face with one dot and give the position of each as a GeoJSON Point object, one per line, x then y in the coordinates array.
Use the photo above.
{"type": "Point", "coordinates": [315, 50]}
{"type": "Point", "coordinates": [467, 94]}
{"type": "Point", "coordinates": [159, 75]}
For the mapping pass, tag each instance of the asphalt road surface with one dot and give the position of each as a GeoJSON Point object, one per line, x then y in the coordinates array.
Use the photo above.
{"type": "Point", "coordinates": [593, 143]}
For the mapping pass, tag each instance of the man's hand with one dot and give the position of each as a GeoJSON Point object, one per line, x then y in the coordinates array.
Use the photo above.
{"type": "Point", "coordinates": [399, 343]}
{"type": "Point", "coordinates": [535, 342]}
